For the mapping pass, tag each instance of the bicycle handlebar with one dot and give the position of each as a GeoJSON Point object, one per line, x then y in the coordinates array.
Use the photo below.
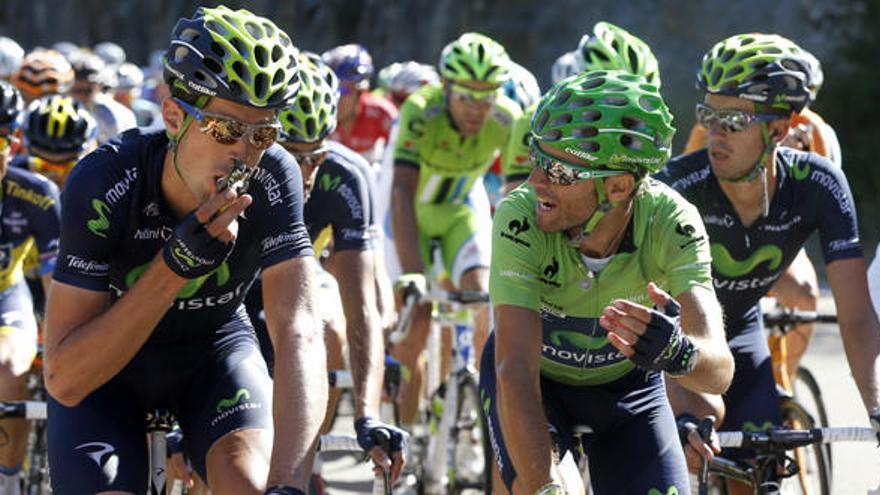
{"type": "Point", "coordinates": [786, 318]}
{"type": "Point", "coordinates": [790, 439]}
{"type": "Point", "coordinates": [26, 409]}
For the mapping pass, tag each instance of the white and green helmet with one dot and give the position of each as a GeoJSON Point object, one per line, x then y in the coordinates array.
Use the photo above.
{"type": "Point", "coordinates": [234, 55]}
{"type": "Point", "coordinates": [474, 57]}
{"type": "Point", "coordinates": [611, 47]}
{"type": "Point", "coordinates": [311, 115]}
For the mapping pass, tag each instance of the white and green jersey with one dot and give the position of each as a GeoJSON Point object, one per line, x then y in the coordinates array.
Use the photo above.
{"type": "Point", "coordinates": [665, 243]}
{"type": "Point", "coordinates": [448, 164]}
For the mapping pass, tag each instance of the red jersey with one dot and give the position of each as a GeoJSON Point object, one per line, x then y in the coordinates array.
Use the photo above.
{"type": "Point", "coordinates": [375, 115]}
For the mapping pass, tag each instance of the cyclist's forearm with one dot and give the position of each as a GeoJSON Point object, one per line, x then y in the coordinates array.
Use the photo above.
{"type": "Point", "coordinates": [524, 426]}
{"type": "Point", "coordinates": [861, 342]}
{"type": "Point", "coordinates": [714, 370]}
{"type": "Point", "coordinates": [73, 368]}
{"type": "Point", "coordinates": [406, 232]}
{"type": "Point", "coordinates": [300, 398]}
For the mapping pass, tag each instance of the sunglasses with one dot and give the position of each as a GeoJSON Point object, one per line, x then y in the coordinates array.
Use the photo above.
{"type": "Point", "coordinates": [730, 120]}
{"type": "Point", "coordinates": [50, 168]}
{"type": "Point", "coordinates": [226, 130]}
{"type": "Point", "coordinates": [310, 158]}
{"type": "Point", "coordinates": [562, 173]}
{"type": "Point", "coordinates": [468, 95]}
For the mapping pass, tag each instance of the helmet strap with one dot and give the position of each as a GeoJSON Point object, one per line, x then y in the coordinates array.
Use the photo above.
{"type": "Point", "coordinates": [760, 168]}
{"type": "Point", "coordinates": [604, 207]}
{"type": "Point", "coordinates": [174, 140]}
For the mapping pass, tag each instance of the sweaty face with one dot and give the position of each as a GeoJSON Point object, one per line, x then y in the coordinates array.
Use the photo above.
{"type": "Point", "coordinates": [470, 103]}
{"type": "Point", "coordinates": [561, 207]}
{"type": "Point", "coordinates": [733, 154]}
{"type": "Point", "coordinates": [203, 160]}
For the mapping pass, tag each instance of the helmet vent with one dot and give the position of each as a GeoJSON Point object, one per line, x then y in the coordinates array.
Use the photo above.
{"type": "Point", "coordinates": [200, 76]}
{"type": "Point", "coordinates": [552, 135]}
{"type": "Point", "coordinates": [630, 142]}
{"type": "Point", "coordinates": [254, 30]}
{"type": "Point", "coordinates": [726, 55]}
{"type": "Point", "coordinates": [285, 40]}
{"type": "Point", "coordinates": [585, 132]}
{"type": "Point", "coordinates": [238, 68]}
{"type": "Point", "coordinates": [632, 123]}
{"type": "Point", "coordinates": [213, 66]}
{"type": "Point", "coordinates": [261, 56]}
{"type": "Point", "coordinates": [216, 27]}
{"type": "Point", "coordinates": [649, 103]}
{"type": "Point", "coordinates": [217, 49]}
{"type": "Point", "coordinates": [597, 54]}
{"type": "Point", "coordinates": [541, 122]}
{"type": "Point", "coordinates": [311, 126]}
{"type": "Point", "coordinates": [261, 85]}
{"type": "Point", "coordinates": [593, 83]}
{"type": "Point", "coordinates": [278, 77]}
{"type": "Point", "coordinates": [591, 115]}
{"type": "Point", "coordinates": [590, 146]}
{"type": "Point", "coordinates": [563, 119]}
{"type": "Point", "coordinates": [633, 58]}
{"type": "Point", "coordinates": [581, 101]}
{"type": "Point", "coordinates": [239, 46]}
{"type": "Point", "coordinates": [277, 53]}
{"type": "Point", "coordinates": [189, 35]}
{"type": "Point", "coordinates": [615, 101]}
{"type": "Point", "coordinates": [305, 104]}
{"type": "Point", "coordinates": [715, 76]}
{"type": "Point", "coordinates": [481, 53]}
{"type": "Point", "coordinates": [270, 31]}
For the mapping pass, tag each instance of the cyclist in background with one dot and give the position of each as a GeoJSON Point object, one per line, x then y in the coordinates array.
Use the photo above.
{"type": "Point", "coordinates": [11, 55]}
{"type": "Point", "coordinates": [580, 254]}
{"type": "Point", "coordinates": [365, 119]}
{"type": "Point", "coordinates": [128, 84]}
{"type": "Point", "coordinates": [750, 192]}
{"type": "Point", "coordinates": [43, 72]}
{"type": "Point", "coordinates": [401, 79]}
{"type": "Point", "coordinates": [155, 261]}
{"type": "Point", "coordinates": [449, 135]}
{"type": "Point", "coordinates": [92, 77]}
{"type": "Point", "coordinates": [31, 220]}
{"type": "Point", "coordinates": [607, 47]}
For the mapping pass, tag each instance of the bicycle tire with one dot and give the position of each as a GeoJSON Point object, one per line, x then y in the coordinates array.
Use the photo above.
{"type": "Point", "coordinates": [805, 376]}
{"type": "Point", "coordinates": [468, 424]}
{"type": "Point", "coordinates": [794, 413]}
{"type": "Point", "coordinates": [36, 466]}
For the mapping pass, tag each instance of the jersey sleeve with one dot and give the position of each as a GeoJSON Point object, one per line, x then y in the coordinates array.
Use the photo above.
{"type": "Point", "coordinates": [836, 210]}
{"type": "Point", "coordinates": [87, 236]}
{"type": "Point", "coordinates": [349, 204]}
{"type": "Point", "coordinates": [278, 204]}
{"type": "Point", "coordinates": [516, 247]}
{"type": "Point", "coordinates": [516, 165]}
{"type": "Point", "coordinates": [681, 244]}
{"type": "Point", "coordinates": [411, 131]}
{"type": "Point", "coordinates": [47, 229]}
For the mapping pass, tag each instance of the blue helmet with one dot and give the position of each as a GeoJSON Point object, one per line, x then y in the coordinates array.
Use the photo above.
{"type": "Point", "coordinates": [351, 63]}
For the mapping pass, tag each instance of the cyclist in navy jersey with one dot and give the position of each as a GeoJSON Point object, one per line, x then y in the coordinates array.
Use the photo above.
{"type": "Point", "coordinates": [159, 245]}
{"type": "Point", "coordinates": [760, 202]}
{"type": "Point", "coordinates": [340, 220]}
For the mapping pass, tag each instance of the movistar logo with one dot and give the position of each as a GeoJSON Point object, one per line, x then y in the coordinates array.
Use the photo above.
{"type": "Point", "coordinates": [241, 395]}
{"type": "Point", "coordinates": [800, 171]}
{"type": "Point", "coordinates": [577, 339]}
{"type": "Point", "coordinates": [329, 183]}
{"type": "Point", "coordinates": [192, 287]}
{"type": "Point", "coordinates": [726, 265]}
{"type": "Point", "coordinates": [99, 225]}
{"type": "Point", "coordinates": [179, 254]}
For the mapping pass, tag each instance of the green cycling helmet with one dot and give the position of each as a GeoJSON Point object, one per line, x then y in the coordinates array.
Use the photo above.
{"type": "Point", "coordinates": [612, 119]}
{"type": "Point", "coordinates": [764, 68]}
{"type": "Point", "coordinates": [234, 55]}
{"type": "Point", "coordinates": [610, 47]}
{"type": "Point", "coordinates": [474, 57]}
{"type": "Point", "coordinates": [311, 115]}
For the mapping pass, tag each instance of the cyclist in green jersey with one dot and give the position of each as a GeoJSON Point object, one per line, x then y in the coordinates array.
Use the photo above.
{"type": "Point", "coordinates": [449, 135]}
{"type": "Point", "coordinates": [607, 47]}
{"type": "Point", "coordinates": [579, 256]}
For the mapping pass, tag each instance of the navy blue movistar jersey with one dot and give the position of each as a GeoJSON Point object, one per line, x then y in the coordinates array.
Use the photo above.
{"type": "Point", "coordinates": [115, 220]}
{"type": "Point", "coordinates": [811, 195]}
{"type": "Point", "coordinates": [341, 201]}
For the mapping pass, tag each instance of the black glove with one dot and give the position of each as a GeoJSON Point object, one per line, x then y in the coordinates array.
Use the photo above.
{"type": "Point", "coordinates": [370, 430]}
{"type": "Point", "coordinates": [283, 490]}
{"type": "Point", "coordinates": [192, 251]}
{"type": "Point", "coordinates": [663, 347]}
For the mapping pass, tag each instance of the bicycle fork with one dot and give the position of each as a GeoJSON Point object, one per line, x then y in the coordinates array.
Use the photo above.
{"type": "Point", "coordinates": [440, 454]}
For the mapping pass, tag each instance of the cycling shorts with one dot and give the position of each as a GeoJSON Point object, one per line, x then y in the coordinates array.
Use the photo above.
{"type": "Point", "coordinates": [463, 232]}
{"type": "Point", "coordinates": [634, 447]}
{"type": "Point", "coordinates": [100, 444]}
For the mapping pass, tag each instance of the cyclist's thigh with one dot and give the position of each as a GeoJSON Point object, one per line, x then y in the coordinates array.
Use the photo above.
{"type": "Point", "coordinates": [18, 332]}
{"type": "Point", "coordinates": [467, 243]}
{"type": "Point", "coordinates": [232, 392]}
{"type": "Point", "coordinates": [488, 397]}
{"type": "Point", "coordinates": [98, 445]}
{"type": "Point", "coordinates": [635, 447]}
{"type": "Point", "coordinates": [752, 402]}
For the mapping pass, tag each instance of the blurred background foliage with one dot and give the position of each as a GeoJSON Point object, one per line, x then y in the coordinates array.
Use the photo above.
{"type": "Point", "coordinates": [843, 34]}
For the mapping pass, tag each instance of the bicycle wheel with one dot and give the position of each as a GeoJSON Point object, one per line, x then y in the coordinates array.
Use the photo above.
{"type": "Point", "coordinates": [35, 469]}
{"type": "Point", "coordinates": [466, 467]}
{"type": "Point", "coordinates": [814, 476]}
{"type": "Point", "coordinates": [808, 394]}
